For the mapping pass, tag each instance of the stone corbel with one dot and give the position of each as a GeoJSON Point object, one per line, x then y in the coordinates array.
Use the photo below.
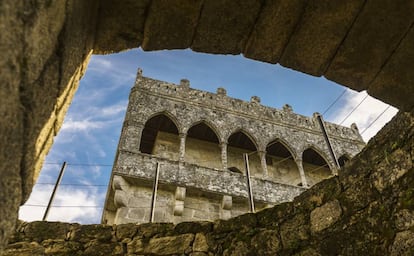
{"type": "Point", "coordinates": [226, 205]}
{"type": "Point", "coordinates": [120, 186]}
{"type": "Point", "coordinates": [179, 201]}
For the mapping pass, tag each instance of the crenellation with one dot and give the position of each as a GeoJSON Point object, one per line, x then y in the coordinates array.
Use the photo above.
{"type": "Point", "coordinates": [220, 101]}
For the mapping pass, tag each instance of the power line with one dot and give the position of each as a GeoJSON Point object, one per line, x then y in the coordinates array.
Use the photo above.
{"type": "Point", "coordinates": [62, 206]}
{"type": "Point", "coordinates": [354, 109]}
{"type": "Point", "coordinates": [73, 185]}
{"type": "Point", "coordinates": [79, 164]}
{"type": "Point", "coordinates": [335, 101]}
{"type": "Point", "coordinates": [376, 119]}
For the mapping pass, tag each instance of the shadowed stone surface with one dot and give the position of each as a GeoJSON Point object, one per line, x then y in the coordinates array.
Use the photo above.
{"type": "Point", "coordinates": [225, 26]}
{"type": "Point", "coordinates": [161, 31]}
{"type": "Point", "coordinates": [374, 36]}
{"type": "Point", "coordinates": [112, 35]}
{"type": "Point", "coordinates": [323, 26]}
{"type": "Point", "coordinates": [276, 15]}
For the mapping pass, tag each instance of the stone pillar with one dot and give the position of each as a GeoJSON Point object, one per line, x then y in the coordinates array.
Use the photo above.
{"type": "Point", "coordinates": [301, 172]}
{"type": "Point", "coordinates": [262, 155]}
{"type": "Point", "coordinates": [179, 201]}
{"type": "Point", "coordinates": [223, 146]}
{"type": "Point", "coordinates": [133, 131]}
{"type": "Point", "coordinates": [181, 154]}
{"type": "Point", "coordinates": [226, 205]}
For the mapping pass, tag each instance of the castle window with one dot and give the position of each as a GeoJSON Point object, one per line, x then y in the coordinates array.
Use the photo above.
{"type": "Point", "coordinates": [315, 166]}
{"type": "Point", "coordinates": [202, 146]}
{"type": "Point", "coordinates": [281, 166]}
{"type": "Point", "coordinates": [160, 137]}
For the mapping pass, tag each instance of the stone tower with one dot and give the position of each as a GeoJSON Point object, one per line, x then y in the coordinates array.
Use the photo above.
{"type": "Point", "coordinates": [198, 140]}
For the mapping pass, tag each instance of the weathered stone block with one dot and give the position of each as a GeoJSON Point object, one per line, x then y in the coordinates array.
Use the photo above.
{"type": "Point", "coordinates": [85, 233]}
{"type": "Point", "coordinates": [325, 216]}
{"type": "Point", "coordinates": [40, 230]}
{"type": "Point", "coordinates": [403, 244]}
{"type": "Point", "coordinates": [161, 33]}
{"type": "Point", "coordinates": [294, 231]}
{"type": "Point", "coordinates": [200, 243]}
{"type": "Point", "coordinates": [169, 245]}
{"type": "Point", "coordinates": [193, 227]}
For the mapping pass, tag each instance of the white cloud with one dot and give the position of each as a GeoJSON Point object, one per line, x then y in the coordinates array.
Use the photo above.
{"type": "Point", "coordinates": [75, 199]}
{"type": "Point", "coordinates": [364, 115]}
{"type": "Point", "coordinates": [81, 125]}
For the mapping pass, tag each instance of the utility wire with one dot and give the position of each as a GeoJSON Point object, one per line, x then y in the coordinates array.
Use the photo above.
{"type": "Point", "coordinates": [67, 184]}
{"type": "Point", "coordinates": [335, 101]}
{"type": "Point", "coordinates": [376, 119]}
{"type": "Point", "coordinates": [354, 109]}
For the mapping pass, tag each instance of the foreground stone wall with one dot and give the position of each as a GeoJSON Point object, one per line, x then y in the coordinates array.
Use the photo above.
{"type": "Point", "coordinates": [45, 48]}
{"type": "Point", "coordinates": [367, 210]}
{"type": "Point", "coordinates": [45, 45]}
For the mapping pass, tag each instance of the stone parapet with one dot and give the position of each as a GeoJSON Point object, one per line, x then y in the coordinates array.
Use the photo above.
{"type": "Point", "coordinates": [142, 166]}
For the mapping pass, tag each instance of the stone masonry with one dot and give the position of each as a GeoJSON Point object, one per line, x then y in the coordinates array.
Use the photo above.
{"type": "Point", "coordinates": [198, 139]}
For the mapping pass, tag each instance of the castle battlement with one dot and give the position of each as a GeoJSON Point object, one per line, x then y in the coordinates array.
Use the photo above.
{"type": "Point", "coordinates": [253, 109]}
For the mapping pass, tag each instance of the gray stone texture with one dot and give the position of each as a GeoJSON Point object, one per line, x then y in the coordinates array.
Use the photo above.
{"type": "Point", "coordinates": [376, 54]}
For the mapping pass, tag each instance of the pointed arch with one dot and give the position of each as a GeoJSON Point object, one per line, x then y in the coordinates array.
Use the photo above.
{"type": "Point", "coordinates": [280, 163]}
{"type": "Point", "coordinates": [242, 139]}
{"type": "Point", "coordinates": [204, 130]}
{"type": "Point", "coordinates": [315, 165]}
{"type": "Point", "coordinates": [239, 143]}
{"type": "Point", "coordinates": [168, 114]}
{"type": "Point", "coordinates": [160, 135]}
{"type": "Point", "coordinates": [202, 146]}
{"type": "Point", "coordinates": [281, 147]}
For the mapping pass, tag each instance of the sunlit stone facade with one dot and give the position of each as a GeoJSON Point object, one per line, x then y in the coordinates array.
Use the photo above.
{"type": "Point", "coordinates": [198, 139]}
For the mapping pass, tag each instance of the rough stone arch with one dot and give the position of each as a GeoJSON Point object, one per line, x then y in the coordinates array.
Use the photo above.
{"type": "Point", "coordinates": [320, 152]}
{"type": "Point", "coordinates": [284, 143]}
{"type": "Point", "coordinates": [168, 114]}
{"type": "Point", "coordinates": [248, 134]}
{"type": "Point", "coordinates": [209, 124]}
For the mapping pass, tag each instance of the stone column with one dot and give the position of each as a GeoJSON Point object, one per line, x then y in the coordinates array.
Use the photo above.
{"type": "Point", "coordinates": [183, 136]}
{"type": "Point", "coordinates": [299, 163]}
{"type": "Point", "coordinates": [131, 136]}
{"type": "Point", "coordinates": [262, 155]}
{"type": "Point", "coordinates": [223, 146]}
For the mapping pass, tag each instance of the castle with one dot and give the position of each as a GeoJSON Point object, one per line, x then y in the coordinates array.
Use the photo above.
{"type": "Point", "coordinates": [197, 147]}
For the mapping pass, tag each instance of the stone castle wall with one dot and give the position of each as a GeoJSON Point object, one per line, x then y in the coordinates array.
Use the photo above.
{"type": "Point", "coordinates": [188, 164]}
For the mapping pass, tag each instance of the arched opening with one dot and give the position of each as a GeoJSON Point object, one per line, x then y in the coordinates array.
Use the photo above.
{"type": "Point", "coordinates": [238, 144]}
{"type": "Point", "coordinates": [342, 160]}
{"type": "Point", "coordinates": [160, 137]}
{"type": "Point", "coordinates": [202, 146]}
{"type": "Point", "coordinates": [281, 166]}
{"type": "Point", "coordinates": [315, 166]}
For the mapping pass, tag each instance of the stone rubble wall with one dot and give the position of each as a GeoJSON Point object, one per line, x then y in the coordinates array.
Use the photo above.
{"type": "Point", "coordinates": [367, 210]}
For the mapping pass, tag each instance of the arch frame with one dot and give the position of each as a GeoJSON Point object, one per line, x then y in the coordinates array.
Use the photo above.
{"type": "Point", "coordinates": [252, 138]}
{"type": "Point", "coordinates": [209, 124]}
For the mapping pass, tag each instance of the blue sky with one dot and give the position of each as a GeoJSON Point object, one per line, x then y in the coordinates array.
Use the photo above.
{"type": "Point", "coordinates": [90, 133]}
